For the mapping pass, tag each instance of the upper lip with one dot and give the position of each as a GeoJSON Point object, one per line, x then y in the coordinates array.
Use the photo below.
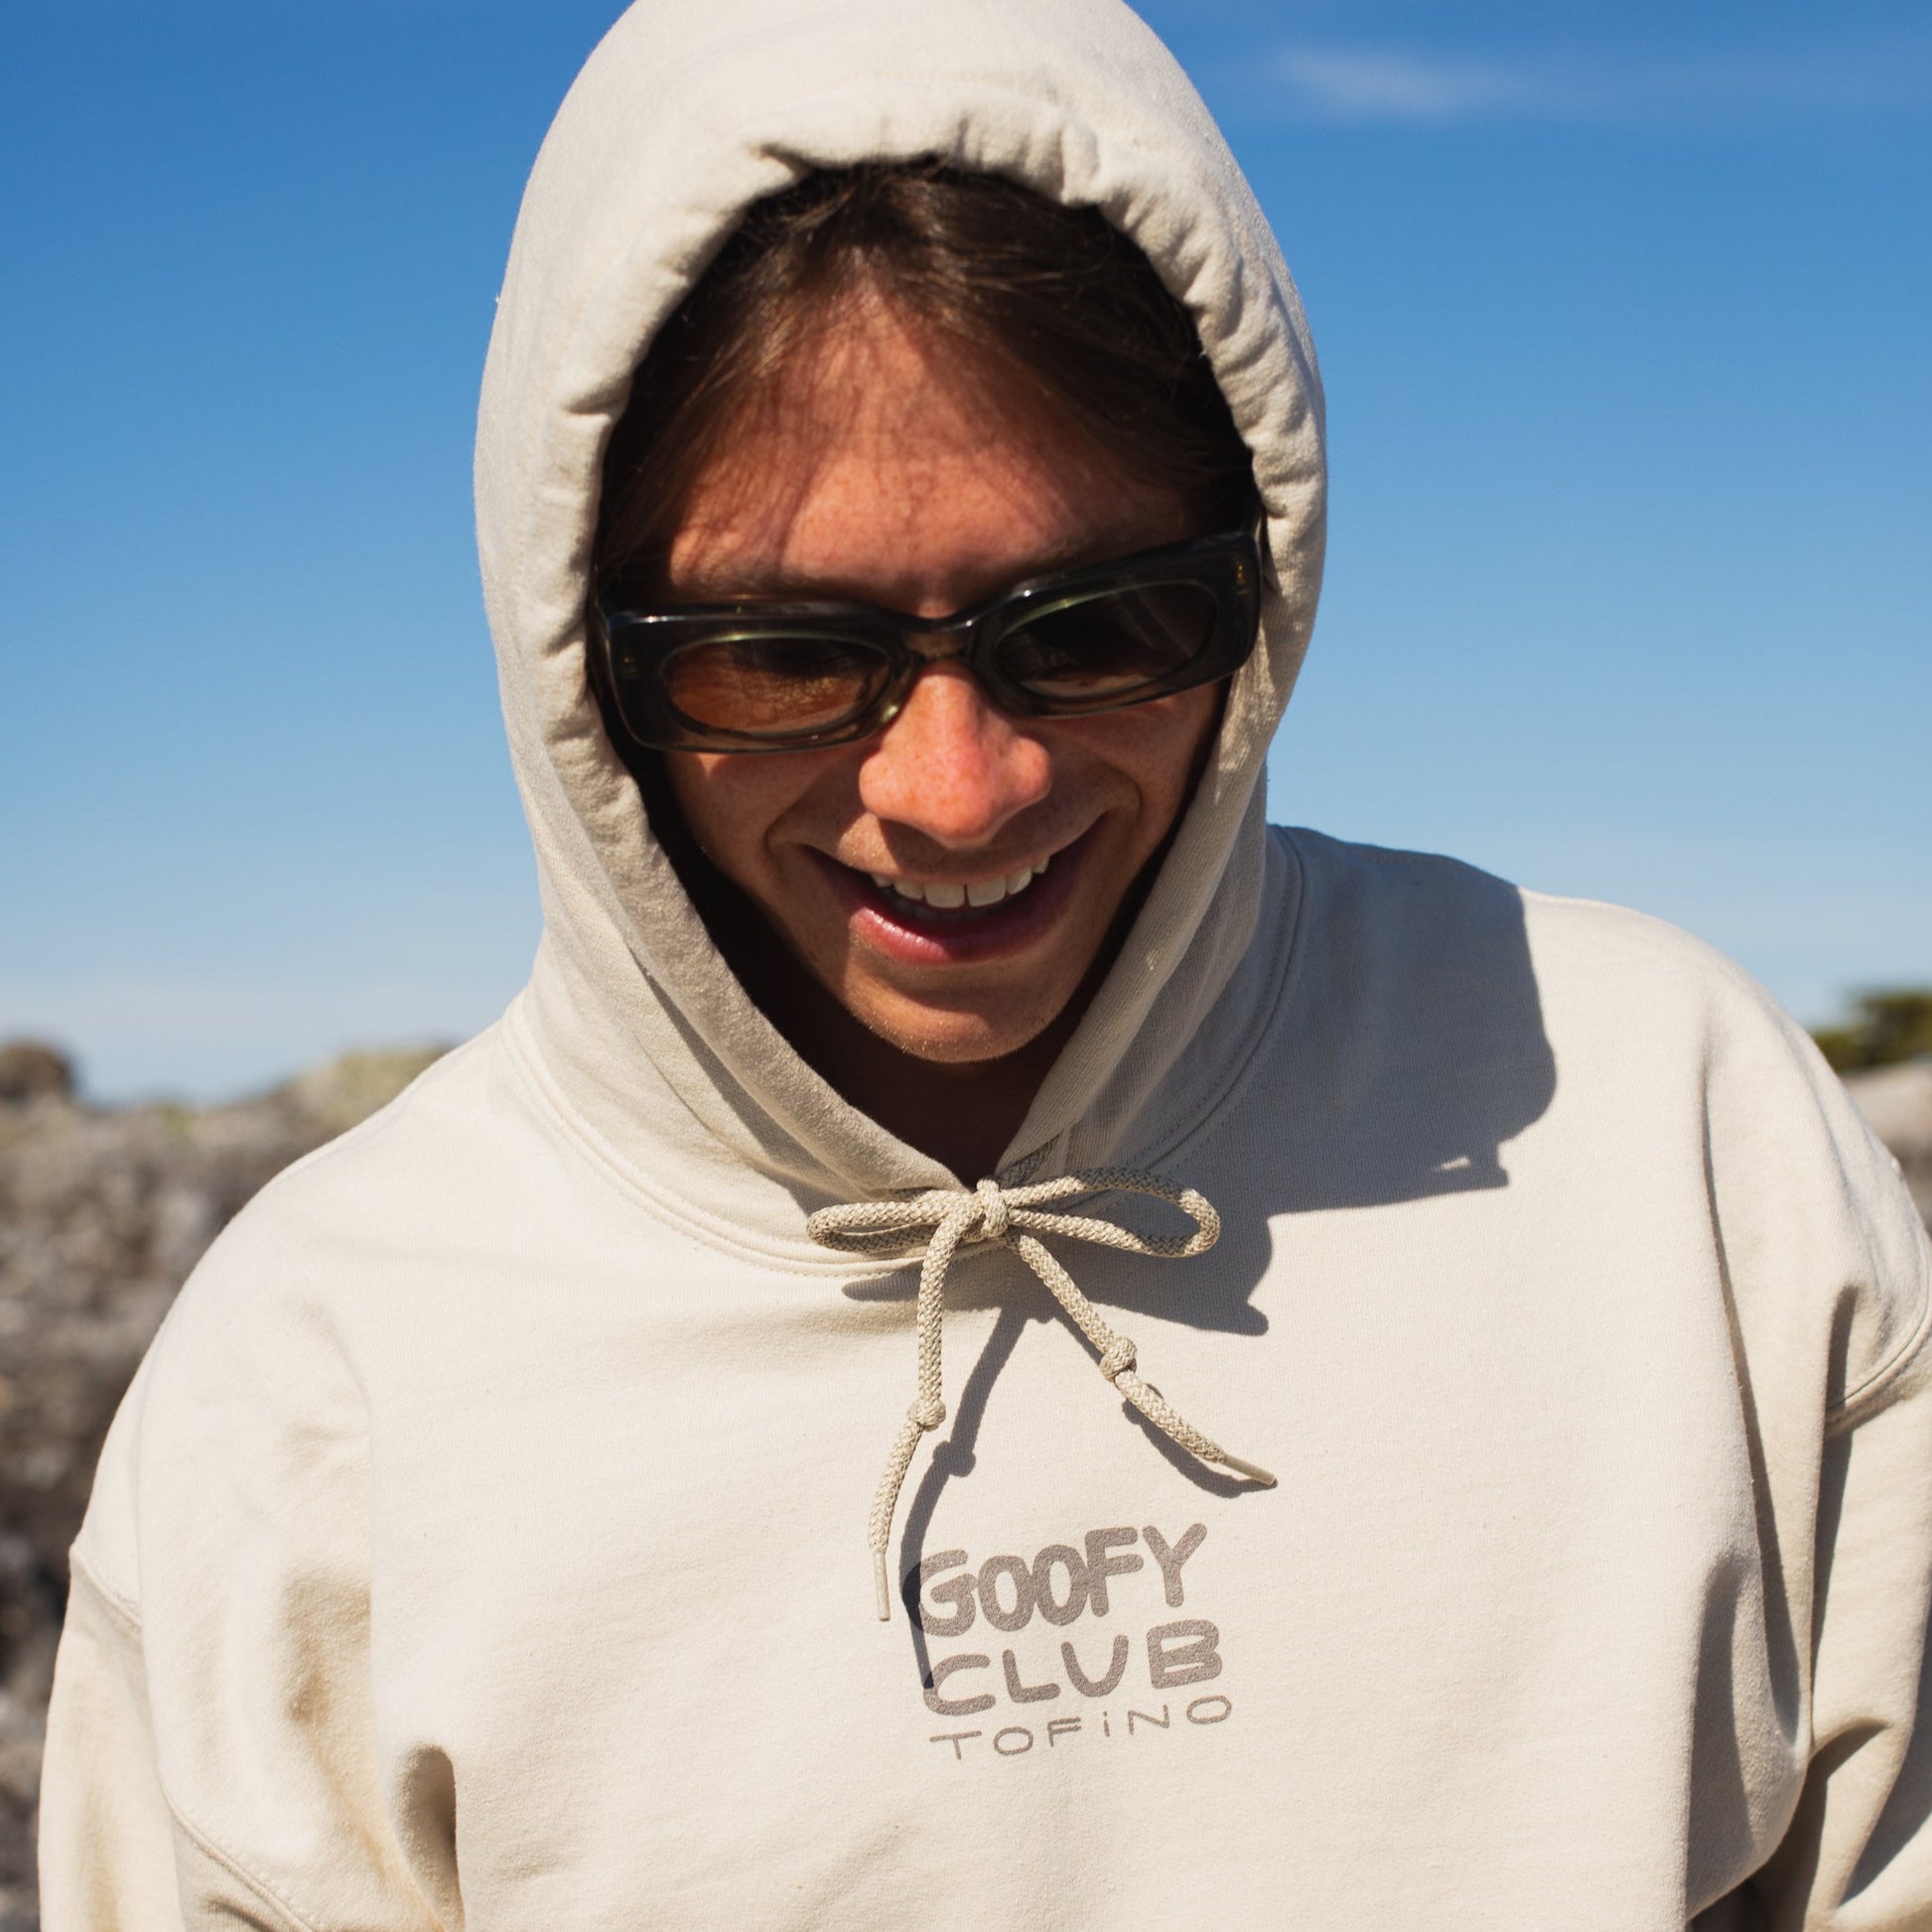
{"type": "Point", "coordinates": [981, 874]}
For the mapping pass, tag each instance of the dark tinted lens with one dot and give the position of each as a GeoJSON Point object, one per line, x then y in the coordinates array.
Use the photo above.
{"type": "Point", "coordinates": [772, 686]}
{"type": "Point", "coordinates": [1107, 645]}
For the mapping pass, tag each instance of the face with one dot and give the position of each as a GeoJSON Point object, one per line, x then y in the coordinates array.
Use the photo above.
{"type": "Point", "coordinates": [951, 880]}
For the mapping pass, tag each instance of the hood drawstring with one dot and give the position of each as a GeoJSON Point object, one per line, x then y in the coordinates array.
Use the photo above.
{"type": "Point", "coordinates": [1011, 1217]}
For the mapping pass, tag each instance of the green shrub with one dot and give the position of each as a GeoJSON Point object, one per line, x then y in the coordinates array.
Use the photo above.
{"type": "Point", "coordinates": [1884, 1028]}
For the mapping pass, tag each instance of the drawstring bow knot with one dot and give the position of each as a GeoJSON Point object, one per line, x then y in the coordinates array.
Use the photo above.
{"type": "Point", "coordinates": [1016, 1218]}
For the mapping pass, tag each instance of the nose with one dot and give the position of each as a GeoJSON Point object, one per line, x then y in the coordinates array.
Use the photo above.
{"type": "Point", "coordinates": [953, 765]}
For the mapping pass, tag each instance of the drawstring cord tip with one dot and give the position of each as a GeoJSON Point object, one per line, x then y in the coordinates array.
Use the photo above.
{"type": "Point", "coordinates": [885, 1588]}
{"type": "Point", "coordinates": [1252, 1470]}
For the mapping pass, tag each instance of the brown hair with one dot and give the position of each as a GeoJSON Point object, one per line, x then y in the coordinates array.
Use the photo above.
{"type": "Point", "coordinates": [1052, 295]}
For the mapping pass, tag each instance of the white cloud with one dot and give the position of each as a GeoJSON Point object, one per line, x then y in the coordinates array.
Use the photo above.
{"type": "Point", "coordinates": [1380, 84]}
{"type": "Point", "coordinates": [1345, 84]}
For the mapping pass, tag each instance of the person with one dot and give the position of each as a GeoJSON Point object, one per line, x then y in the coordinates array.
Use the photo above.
{"type": "Point", "coordinates": [1502, 1500]}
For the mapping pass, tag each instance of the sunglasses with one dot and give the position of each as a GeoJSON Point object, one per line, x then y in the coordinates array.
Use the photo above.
{"type": "Point", "coordinates": [792, 677]}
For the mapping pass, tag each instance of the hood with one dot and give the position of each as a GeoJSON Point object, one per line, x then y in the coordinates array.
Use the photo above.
{"type": "Point", "coordinates": [683, 116]}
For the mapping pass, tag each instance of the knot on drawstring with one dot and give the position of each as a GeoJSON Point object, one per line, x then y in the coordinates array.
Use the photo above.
{"type": "Point", "coordinates": [994, 1217]}
{"type": "Point", "coordinates": [1016, 1217]}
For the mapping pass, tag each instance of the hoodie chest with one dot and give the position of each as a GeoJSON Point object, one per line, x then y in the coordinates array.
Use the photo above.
{"type": "Point", "coordinates": [645, 1577]}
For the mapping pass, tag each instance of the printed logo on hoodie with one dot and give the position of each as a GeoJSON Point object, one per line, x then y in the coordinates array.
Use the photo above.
{"type": "Point", "coordinates": [1062, 1587]}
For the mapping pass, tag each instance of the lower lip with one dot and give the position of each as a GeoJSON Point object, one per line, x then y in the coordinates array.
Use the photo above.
{"type": "Point", "coordinates": [887, 925]}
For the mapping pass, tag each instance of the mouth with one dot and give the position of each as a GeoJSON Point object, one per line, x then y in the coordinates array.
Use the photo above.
{"type": "Point", "coordinates": [925, 922]}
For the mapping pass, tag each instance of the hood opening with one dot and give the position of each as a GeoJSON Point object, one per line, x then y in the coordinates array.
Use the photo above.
{"type": "Point", "coordinates": [683, 119]}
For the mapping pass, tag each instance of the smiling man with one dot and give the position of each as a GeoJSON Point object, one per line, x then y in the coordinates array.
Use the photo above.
{"type": "Point", "coordinates": [900, 492]}
{"type": "Point", "coordinates": [947, 852]}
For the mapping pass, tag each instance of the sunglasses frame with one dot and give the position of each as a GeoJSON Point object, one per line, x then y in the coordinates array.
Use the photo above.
{"type": "Point", "coordinates": [631, 646]}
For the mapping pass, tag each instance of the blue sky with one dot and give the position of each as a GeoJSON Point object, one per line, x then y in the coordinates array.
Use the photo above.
{"type": "Point", "coordinates": [1623, 312]}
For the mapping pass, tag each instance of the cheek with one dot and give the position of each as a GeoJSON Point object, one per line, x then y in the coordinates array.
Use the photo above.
{"type": "Point", "coordinates": [1157, 749]}
{"type": "Point", "coordinates": [729, 805]}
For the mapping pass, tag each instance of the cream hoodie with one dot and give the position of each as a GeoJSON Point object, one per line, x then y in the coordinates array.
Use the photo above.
{"type": "Point", "coordinates": [483, 1543]}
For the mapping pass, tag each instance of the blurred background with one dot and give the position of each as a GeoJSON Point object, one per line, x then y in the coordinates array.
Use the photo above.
{"type": "Point", "coordinates": [1624, 312]}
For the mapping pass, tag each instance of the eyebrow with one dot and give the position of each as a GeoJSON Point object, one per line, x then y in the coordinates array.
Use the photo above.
{"type": "Point", "coordinates": [781, 586]}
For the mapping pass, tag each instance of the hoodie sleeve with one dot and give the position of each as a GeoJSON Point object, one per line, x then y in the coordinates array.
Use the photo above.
{"type": "Point", "coordinates": [1830, 1276]}
{"type": "Point", "coordinates": [106, 1842]}
{"type": "Point", "coordinates": [113, 1857]}
{"type": "Point", "coordinates": [213, 1756]}
{"type": "Point", "coordinates": [1861, 1846]}
{"type": "Point", "coordinates": [1857, 1855]}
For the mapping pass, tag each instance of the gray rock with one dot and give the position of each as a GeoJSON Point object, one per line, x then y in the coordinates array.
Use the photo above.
{"type": "Point", "coordinates": [30, 1069]}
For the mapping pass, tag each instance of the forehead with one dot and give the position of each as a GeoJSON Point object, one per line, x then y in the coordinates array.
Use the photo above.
{"type": "Point", "coordinates": [891, 462]}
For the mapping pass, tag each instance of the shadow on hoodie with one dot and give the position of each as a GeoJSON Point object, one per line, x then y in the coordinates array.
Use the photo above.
{"type": "Point", "coordinates": [1407, 1050]}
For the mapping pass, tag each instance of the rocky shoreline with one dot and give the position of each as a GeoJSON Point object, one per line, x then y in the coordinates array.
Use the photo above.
{"type": "Point", "coordinates": [103, 1212]}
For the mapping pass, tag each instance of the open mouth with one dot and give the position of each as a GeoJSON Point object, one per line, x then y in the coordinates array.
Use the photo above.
{"type": "Point", "coordinates": [954, 922]}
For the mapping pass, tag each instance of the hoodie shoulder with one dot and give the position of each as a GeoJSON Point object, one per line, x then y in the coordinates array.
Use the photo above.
{"type": "Point", "coordinates": [1592, 1042]}
{"type": "Point", "coordinates": [1576, 949]}
{"type": "Point", "coordinates": [260, 1364]}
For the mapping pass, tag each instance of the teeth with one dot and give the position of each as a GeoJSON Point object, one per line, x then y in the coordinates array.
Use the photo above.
{"type": "Point", "coordinates": [946, 898]}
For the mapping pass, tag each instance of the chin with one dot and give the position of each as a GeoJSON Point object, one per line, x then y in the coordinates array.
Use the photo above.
{"type": "Point", "coordinates": [952, 1037]}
